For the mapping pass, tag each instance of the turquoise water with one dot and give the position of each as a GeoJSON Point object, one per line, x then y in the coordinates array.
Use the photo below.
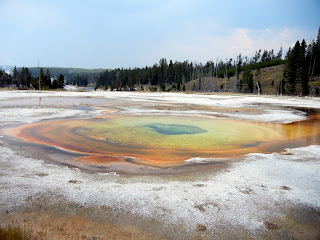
{"type": "Point", "coordinates": [174, 129]}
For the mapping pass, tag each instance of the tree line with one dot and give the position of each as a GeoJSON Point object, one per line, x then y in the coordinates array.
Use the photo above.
{"type": "Point", "coordinates": [74, 76]}
{"type": "Point", "coordinates": [174, 75]}
{"type": "Point", "coordinates": [301, 63]}
{"type": "Point", "coordinates": [23, 79]}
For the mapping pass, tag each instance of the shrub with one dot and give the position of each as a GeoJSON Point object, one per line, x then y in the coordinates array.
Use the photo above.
{"type": "Point", "coordinates": [12, 233]}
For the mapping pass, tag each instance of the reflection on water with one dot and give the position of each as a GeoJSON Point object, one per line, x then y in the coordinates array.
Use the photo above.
{"type": "Point", "coordinates": [168, 141]}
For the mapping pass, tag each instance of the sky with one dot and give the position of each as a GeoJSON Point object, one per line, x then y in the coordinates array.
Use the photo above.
{"type": "Point", "coordinates": [138, 33]}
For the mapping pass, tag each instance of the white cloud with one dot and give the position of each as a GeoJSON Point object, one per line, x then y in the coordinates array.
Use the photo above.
{"type": "Point", "coordinates": [241, 42]}
{"type": "Point", "coordinates": [202, 48]}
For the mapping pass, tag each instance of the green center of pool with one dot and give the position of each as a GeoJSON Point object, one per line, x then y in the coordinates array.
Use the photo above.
{"type": "Point", "coordinates": [172, 133]}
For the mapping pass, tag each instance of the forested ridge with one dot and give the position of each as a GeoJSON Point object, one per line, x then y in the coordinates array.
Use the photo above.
{"type": "Point", "coordinates": [301, 66]}
{"type": "Point", "coordinates": [23, 79]}
{"type": "Point", "coordinates": [173, 76]}
{"type": "Point", "coordinates": [301, 63]}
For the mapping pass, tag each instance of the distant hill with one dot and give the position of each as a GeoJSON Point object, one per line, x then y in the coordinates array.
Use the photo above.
{"type": "Point", "coordinates": [269, 79]}
{"type": "Point", "coordinates": [70, 73]}
{"type": "Point", "coordinates": [65, 71]}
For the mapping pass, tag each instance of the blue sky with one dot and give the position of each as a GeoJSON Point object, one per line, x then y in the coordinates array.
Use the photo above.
{"type": "Point", "coordinates": [136, 33]}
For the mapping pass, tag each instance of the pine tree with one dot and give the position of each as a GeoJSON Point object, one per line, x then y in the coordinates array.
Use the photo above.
{"type": "Point", "coordinates": [48, 79]}
{"type": "Point", "coordinates": [60, 81]}
{"type": "Point", "coordinates": [41, 78]}
{"type": "Point", "coordinates": [305, 62]}
{"type": "Point", "coordinates": [170, 72]}
{"type": "Point", "coordinates": [250, 82]}
{"type": "Point", "coordinates": [15, 76]}
{"type": "Point", "coordinates": [292, 71]}
{"type": "Point", "coordinates": [25, 77]}
{"type": "Point", "coordinates": [316, 52]}
{"type": "Point", "coordinates": [237, 85]}
{"type": "Point", "coordinates": [132, 80]}
{"type": "Point", "coordinates": [279, 55]}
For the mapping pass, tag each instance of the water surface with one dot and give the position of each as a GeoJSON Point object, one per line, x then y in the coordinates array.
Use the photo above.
{"type": "Point", "coordinates": [166, 141]}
